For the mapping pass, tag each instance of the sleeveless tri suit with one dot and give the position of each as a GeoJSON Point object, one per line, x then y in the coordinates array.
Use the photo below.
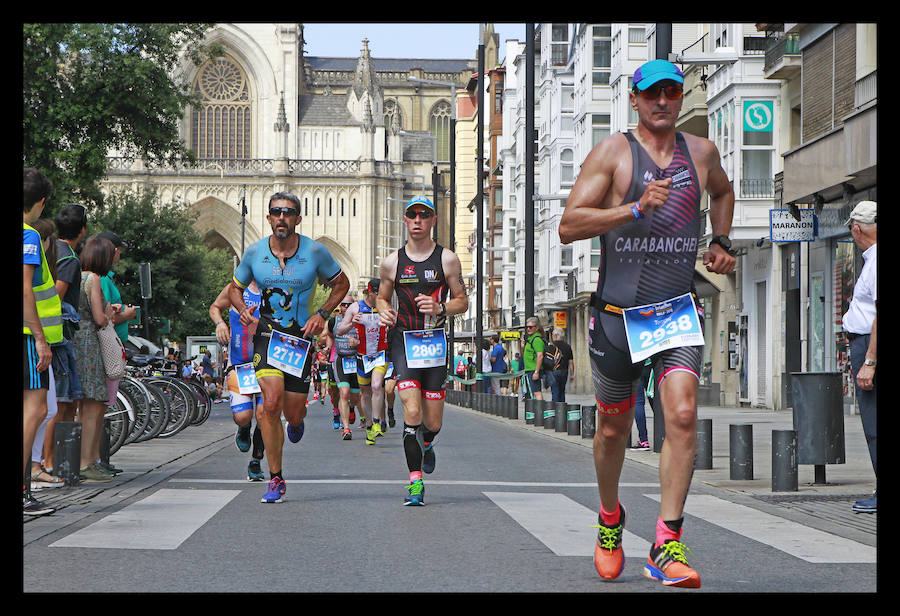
{"type": "Point", "coordinates": [645, 261]}
{"type": "Point", "coordinates": [412, 279]}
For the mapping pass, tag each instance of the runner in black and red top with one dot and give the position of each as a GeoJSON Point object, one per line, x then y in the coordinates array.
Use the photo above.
{"type": "Point", "coordinates": [428, 280]}
{"type": "Point", "coordinates": [640, 192]}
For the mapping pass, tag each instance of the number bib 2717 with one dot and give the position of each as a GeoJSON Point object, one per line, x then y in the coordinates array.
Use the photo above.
{"type": "Point", "coordinates": [666, 325]}
{"type": "Point", "coordinates": [287, 353]}
{"type": "Point", "coordinates": [425, 348]}
{"type": "Point", "coordinates": [246, 377]}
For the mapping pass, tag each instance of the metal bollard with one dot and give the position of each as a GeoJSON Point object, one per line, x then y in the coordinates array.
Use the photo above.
{"type": "Point", "coordinates": [561, 418]}
{"type": "Point", "coordinates": [539, 413]}
{"type": "Point", "coordinates": [104, 443]}
{"type": "Point", "coordinates": [67, 451]}
{"type": "Point", "coordinates": [549, 415]}
{"type": "Point", "coordinates": [573, 419]}
{"type": "Point", "coordinates": [513, 406]}
{"type": "Point", "coordinates": [659, 423]}
{"type": "Point", "coordinates": [588, 420]}
{"type": "Point", "coordinates": [784, 461]}
{"type": "Point", "coordinates": [529, 410]}
{"type": "Point", "coordinates": [703, 457]}
{"type": "Point", "coordinates": [740, 438]}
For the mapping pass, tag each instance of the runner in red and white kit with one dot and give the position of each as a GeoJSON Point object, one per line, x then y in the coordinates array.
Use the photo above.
{"type": "Point", "coordinates": [429, 285]}
{"type": "Point", "coordinates": [640, 193]}
{"type": "Point", "coordinates": [362, 319]}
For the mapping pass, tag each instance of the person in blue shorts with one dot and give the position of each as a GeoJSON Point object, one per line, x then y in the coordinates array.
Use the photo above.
{"type": "Point", "coordinates": [239, 340]}
{"type": "Point", "coordinates": [286, 266]}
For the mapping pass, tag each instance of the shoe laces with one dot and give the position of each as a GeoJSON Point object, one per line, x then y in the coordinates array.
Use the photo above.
{"type": "Point", "coordinates": [416, 488]}
{"type": "Point", "coordinates": [674, 550]}
{"type": "Point", "coordinates": [275, 484]}
{"type": "Point", "coordinates": [609, 536]}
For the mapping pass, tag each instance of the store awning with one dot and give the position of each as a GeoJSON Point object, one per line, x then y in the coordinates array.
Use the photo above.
{"type": "Point", "coordinates": [707, 283]}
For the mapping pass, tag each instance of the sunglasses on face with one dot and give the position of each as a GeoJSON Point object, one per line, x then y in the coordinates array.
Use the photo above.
{"type": "Point", "coordinates": [673, 92]}
{"type": "Point", "coordinates": [287, 211]}
{"type": "Point", "coordinates": [346, 303]}
{"type": "Point", "coordinates": [423, 214]}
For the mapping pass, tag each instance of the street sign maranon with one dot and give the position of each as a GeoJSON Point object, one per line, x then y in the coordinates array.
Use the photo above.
{"type": "Point", "coordinates": [783, 227]}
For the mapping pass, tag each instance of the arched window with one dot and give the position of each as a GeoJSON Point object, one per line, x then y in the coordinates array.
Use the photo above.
{"type": "Point", "coordinates": [220, 126]}
{"type": "Point", "coordinates": [439, 126]}
{"type": "Point", "coordinates": [566, 166]}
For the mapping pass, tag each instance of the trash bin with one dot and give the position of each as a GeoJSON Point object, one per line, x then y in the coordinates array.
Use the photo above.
{"type": "Point", "coordinates": [818, 417]}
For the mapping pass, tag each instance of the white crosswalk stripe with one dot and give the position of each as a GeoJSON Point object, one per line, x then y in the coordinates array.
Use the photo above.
{"type": "Point", "coordinates": [560, 523]}
{"type": "Point", "coordinates": [807, 543]}
{"type": "Point", "coordinates": [162, 521]}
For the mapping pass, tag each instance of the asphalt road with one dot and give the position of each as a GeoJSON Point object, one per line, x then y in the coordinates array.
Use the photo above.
{"type": "Point", "coordinates": [507, 511]}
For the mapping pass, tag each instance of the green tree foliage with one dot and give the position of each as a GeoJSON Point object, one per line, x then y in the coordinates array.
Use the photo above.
{"type": "Point", "coordinates": [91, 87]}
{"type": "Point", "coordinates": [186, 274]}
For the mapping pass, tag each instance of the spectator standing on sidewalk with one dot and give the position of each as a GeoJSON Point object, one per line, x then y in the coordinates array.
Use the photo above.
{"type": "Point", "coordinates": [498, 364]}
{"type": "Point", "coordinates": [860, 323]}
{"type": "Point", "coordinates": [533, 355]}
{"type": "Point", "coordinates": [42, 326]}
{"type": "Point", "coordinates": [640, 414]}
{"type": "Point", "coordinates": [564, 370]}
{"type": "Point", "coordinates": [71, 227]}
{"type": "Point", "coordinates": [40, 478]}
{"type": "Point", "coordinates": [96, 260]}
{"type": "Point", "coordinates": [124, 314]}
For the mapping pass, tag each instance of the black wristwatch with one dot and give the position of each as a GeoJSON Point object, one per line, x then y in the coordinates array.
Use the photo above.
{"type": "Point", "coordinates": [324, 314]}
{"type": "Point", "coordinates": [723, 241]}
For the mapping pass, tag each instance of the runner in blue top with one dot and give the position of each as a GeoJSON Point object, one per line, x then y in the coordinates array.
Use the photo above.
{"type": "Point", "coordinates": [286, 266]}
{"type": "Point", "coordinates": [640, 193]}
{"type": "Point", "coordinates": [239, 339]}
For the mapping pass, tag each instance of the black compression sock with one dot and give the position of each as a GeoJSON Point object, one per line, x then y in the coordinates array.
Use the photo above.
{"type": "Point", "coordinates": [412, 448]}
{"type": "Point", "coordinates": [259, 447]}
{"type": "Point", "coordinates": [428, 435]}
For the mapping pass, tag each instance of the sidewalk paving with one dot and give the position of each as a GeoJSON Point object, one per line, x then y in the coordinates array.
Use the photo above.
{"type": "Point", "coordinates": [826, 505]}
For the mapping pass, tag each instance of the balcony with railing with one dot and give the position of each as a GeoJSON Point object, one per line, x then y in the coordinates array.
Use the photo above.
{"type": "Point", "coordinates": [757, 188]}
{"type": "Point", "coordinates": [783, 58]}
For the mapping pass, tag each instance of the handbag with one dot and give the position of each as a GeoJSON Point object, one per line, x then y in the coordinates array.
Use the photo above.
{"type": "Point", "coordinates": [112, 351]}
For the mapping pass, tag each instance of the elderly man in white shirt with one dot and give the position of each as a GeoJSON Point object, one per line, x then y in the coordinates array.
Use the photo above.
{"type": "Point", "coordinates": [860, 325]}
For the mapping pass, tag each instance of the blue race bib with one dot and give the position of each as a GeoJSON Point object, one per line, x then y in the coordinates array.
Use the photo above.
{"type": "Point", "coordinates": [665, 325]}
{"type": "Point", "coordinates": [287, 353]}
{"type": "Point", "coordinates": [426, 348]}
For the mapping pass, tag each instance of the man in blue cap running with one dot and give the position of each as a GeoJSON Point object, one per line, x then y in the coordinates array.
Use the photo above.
{"type": "Point", "coordinates": [640, 192]}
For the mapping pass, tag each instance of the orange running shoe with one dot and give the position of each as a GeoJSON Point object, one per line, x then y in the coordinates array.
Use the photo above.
{"type": "Point", "coordinates": [609, 559]}
{"type": "Point", "coordinates": [668, 564]}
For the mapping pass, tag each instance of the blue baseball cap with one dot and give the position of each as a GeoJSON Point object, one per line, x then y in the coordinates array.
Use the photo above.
{"type": "Point", "coordinates": [421, 200]}
{"type": "Point", "coordinates": [656, 70]}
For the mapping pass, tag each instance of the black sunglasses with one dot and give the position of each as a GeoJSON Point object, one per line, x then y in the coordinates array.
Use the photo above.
{"type": "Point", "coordinates": [673, 92]}
{"type": "Point", "coordinates": [423, 214]}
{"type": "Point", "coordinates": [346, 303]}
{"type": "Point", "coordinates": [287, 211]}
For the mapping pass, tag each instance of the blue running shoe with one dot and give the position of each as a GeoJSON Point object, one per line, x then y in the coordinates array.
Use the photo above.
{"type": "Point", "coordinates": [336, 422]}
{"type": "Point", "coordinates": [428, 459]}
{"type": "Point", "coordinates": [295, 433]}
{"type": "Point", "coordinates": [416, 495]}
{"type": "Point", "coordinates": [254, 471]}
{"type": "Point", "coordinates": [242, 438]}
{"type": "Point", "coordinates": [277, 488]}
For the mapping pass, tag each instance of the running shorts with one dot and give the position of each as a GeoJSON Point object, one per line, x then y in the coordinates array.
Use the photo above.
{"type": "Point", "coordinates": [615, 378]}
{"type": "Point", "coordinates": [292, 383]}
{"type": "Point", "coordinates": [432, 381]}
{"type": "Point", "coordinates": [346, 378]}
{"type": "Point", "coordinates": [240, 402]}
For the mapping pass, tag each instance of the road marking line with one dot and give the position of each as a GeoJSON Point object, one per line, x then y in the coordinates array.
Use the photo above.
{"type": "Point", "coordinates": [162, 521]}
{"type": "Point", "coordinates": [431, 482]}
{"type": "Point", "coordinates": [560, 523]}
{"type": "Point", "coordinates": [806, 543]}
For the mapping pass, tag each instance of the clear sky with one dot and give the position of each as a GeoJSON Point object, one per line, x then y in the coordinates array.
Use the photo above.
{"type": "Point", "coordinates": [403, 40]}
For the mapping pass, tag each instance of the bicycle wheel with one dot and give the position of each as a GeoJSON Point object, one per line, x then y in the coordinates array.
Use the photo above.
{"type": "Point", "coordinates": [160, 409]}
{"type": "Point", "coordinates": [204, 403]}
{"type": "Point", "coordinates": [140, 400]}
{"type": "Point", "coordinates": [180, 406]}
{"type": "Point", "coordinates": [116, 418]}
